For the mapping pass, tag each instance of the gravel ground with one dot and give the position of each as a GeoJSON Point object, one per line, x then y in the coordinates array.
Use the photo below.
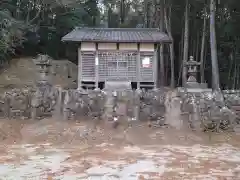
{"type": "Point", "coordinates": [50, 149]}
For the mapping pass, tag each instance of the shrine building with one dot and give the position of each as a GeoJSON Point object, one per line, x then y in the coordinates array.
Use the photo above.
{"type": "Point", "coordinates": [117, 54]}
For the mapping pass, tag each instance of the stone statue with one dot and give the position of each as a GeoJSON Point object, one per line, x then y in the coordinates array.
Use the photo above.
{"type": "Point", "coordinates": [17, 103]}
{"type": "Point", "coordinates": [76, 103]}
{"type": "Point", "coordinates": [153, 106]}
{"type": "Point", "coordinates": [44, 100]}
{"type": "Point", "coordinates": [96, 101]}
{"type": "Point", "coordinates": [215, 115]}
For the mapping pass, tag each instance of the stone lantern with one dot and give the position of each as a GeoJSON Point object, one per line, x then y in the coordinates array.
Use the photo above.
{"type": "Point", "coordinates": [192, 70]}
{"type": "Point", "coordinates": [43, 63]}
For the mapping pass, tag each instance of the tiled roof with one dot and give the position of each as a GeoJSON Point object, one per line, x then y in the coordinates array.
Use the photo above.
{"type": "Point", "coordinates": [116, 35]}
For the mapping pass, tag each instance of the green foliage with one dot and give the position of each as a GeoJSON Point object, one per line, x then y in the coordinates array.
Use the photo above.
{"type": "Point", "coordinates": [11, 34]}
{"type": "Point", "coordinates": [51, 19]}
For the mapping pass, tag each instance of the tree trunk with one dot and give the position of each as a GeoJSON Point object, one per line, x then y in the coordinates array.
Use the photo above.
{"type": "Point", "coordinates": [235, 73]}
{"type": "Point", "coordinates": [238, 72]}
{"type": "Point", "coordinates": [186, 44]}
{"type": "Point", "coordinates": [162, 67]}
{"type": "Point", "coordinates": [171, 46]}
{"type": "Point", "coordinates": [180, 62]}
{"type": "Point", "coordinates": [146, 10]}
{"type": "Point", "coordinates": [197, 48]}
{"type": "Point", "coordinates": [213, 45]}
{"type": "Point", "coordinates": [203, 46]}
{"type": "Point", "coordinates": [122, 12]}
{"type": "Point", "coordinates": [230, 69]}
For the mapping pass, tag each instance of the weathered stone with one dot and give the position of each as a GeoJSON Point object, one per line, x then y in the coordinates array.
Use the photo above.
{"type": "Point", "coordinates": [192, 73]}
{"type": "Point", "coordinates": [74, 103]}
{"type": "Point", "coordinates": [153, 105]}
{"type": "Point", "coordinates": [44, 100]}
{"type": "Point", "coordinates": [96, 102]}
{"type": "Point", "coordinates": [208, 110]}
{"type": "Point", "coordinates": [17, 103]}
{"type": "Point", "coordinates": [173, 115]}
{"type": "Point", "coordinates": [43, 63]}
{"type": "Point", "coordinates": [57, 113]}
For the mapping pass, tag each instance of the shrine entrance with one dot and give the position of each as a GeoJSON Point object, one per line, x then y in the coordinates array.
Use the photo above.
{"type": "Point", "coordinates": [117, 65]}
{"type": "Point", "coordinates": [117, 69]}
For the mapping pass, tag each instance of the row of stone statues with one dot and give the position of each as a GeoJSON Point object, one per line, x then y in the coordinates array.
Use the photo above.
{"type": "Point", "coordinates": [206, 110]}
{"type": "Point", "coordinates": [209, 111]}
{"type": "Point", "coordinates": [46, 100]}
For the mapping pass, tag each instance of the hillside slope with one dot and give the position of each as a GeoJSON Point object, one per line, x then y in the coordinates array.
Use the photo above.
{"type": "Point", "coordinates": [22, 72]}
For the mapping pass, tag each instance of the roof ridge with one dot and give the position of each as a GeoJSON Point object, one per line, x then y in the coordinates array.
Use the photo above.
{"type": "Point", "coordinates": [122, 29]}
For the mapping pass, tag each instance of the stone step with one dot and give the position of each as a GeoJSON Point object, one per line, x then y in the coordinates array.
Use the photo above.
{"type": "Point", "coordinates": [117, 85]}
{"type": "Point", "coordinates": [236, 108]}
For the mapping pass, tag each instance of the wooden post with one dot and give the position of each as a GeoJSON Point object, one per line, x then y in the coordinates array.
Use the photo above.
{"type": "Point", "coordinates": [162, 64]}
{"type": "Point", "coordinates": [155, 68]}
{"type": "Point", "coordinates": [138, 67]}
{"type": "Point", "coordinates": [79, 68]}
{"type": "Point", "coordinates": [96, 69]}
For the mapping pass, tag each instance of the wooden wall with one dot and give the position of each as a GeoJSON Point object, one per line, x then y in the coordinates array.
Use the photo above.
{"type": "Point", "coordinates": [88, 54]}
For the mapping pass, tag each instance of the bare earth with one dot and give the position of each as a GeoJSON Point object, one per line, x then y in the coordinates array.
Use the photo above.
{"type": "Point", "coordinates": [51, 149]}
{"type": "Point", "coordinates": [22, 73]}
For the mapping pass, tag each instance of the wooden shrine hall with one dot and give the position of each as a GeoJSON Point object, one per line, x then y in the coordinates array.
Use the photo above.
{"type": "Point", "coordinates": [117, 54]}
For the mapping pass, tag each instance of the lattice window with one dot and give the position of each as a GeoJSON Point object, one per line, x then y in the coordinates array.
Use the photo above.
{"type": "Point", "coordinates": [88, 65]}
{"type": "Point", "coordinates": [117, 65]}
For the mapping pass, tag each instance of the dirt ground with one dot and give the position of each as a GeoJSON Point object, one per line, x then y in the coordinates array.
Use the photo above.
{"type": "Point", "coordinates": [52, 149]}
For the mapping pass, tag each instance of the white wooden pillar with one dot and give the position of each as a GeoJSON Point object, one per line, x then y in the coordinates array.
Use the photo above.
{"type": "Point", "coordinates": [138, 67]}
{"type": "Point", "coordinates": [96, 69]}
{"type": "Point", "coordinates": [155, 68]}
{"type": "Point", "coordinates": [79, 69]}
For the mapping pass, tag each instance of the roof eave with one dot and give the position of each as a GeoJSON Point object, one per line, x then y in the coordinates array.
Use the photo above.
{"type": "Point", "coordinates": [117, 41]}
